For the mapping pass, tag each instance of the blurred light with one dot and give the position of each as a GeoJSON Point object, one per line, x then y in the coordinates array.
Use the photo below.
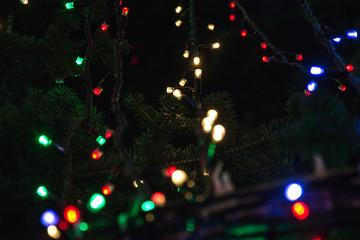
{"type": "Point", "coordinates": [125, 11]}
{"type": "Point", "coordinates": [215, 45]}
{"type": "Point", "coordinates": [44, 140]}
{"type": "Point", "coordinates": [232, 17]}
{"type": "Point", "coordinates": [299, 57]}
{"type": "Point", "coordinates": [96, 154]}
{"type": "Point", "coordinates": [63, 225]}
{"type": "Point", "coordinates": [42, 191]}
{"type": "Point", "coordinates": [25, 2]}
{"type": "Point", "coordinates": [196, 61]}
{"type": "Point", "coordinates": [71, 214]}
{"type": "Point", "coordinates": [317, 71]}
{"type": "Point", "coordinates": [178, 23]}
{"type": "Point", "coordinates": [207, 124]}
{"type": "Point", "coordinates": [179, 177]}
{"type": "Point", "coordinates": [190, 224]}
{"type": "Point", "coordinates": [83, 226]}
{"type": "Point", "coordinates": [307, 93]}
{"type": "Point", "coordinates": [97, 91]}
{"type": "Point", "coordinates": [158, 198]}
{"type": "Point", "coordinates": [243, 33]}
{"type": "Point", "coordinates": [342, 87]}
{"type": "Point", "coordinates": [177, 93]}
{"type": "Point", "coordinates": [108, 189]}
{"type": "Point", "coordinates": [104, 26]}
{"type": "Point", "coordinates": [149, 217]}
{"type": "Point", "coordinates": [53, 232]}
{"type": "Point", "coordinates": [108, 133]}
{"type": "Point", "coordinates": [182, 82]}
{"type": "Point", "coordinates": [212, 113]}
{"type": "Point", "coordinates": [265, 59]}
{"type": "Point", "coordinates": [135, 183]}
{"type": "Point", "coordinates": [218, 133]}
{"type": "Point", "coordinates": [49, 217]}
{"type": "Point", "coordinates": [293, 191]}
{"type": "Point", "coordinates": [170, 89]}
{"type": "Point", "coordinates": [311, 86]}
{"type": "Point", "coordinates": [190, 183]}
{"type": "Point", "coordinates": [96, 202]}
{"type": "Point", "coordinates": [186, 54]}
{"type": "Point", "coordinates": [300, 210]}
{"type": "Point", "coordinates": [147, 206]}
{"type": "Point", "coordinates": [100, 140]}
{"type": "Point", "coordinates": [263, 45]}
{"type": "Point", "coordinates": [232, 4]}
{"type": "Point", "coordinates": [352, 34]}
{"type": "Point", "coordinates": [79, 60]}
{"type": "Point", "coordinates": [211, 26]}
{"type": "Point", "coordinates": [170, 171]}
{"type": "Point", "coordinates": [69, 5]}
{"type": "Point", "coordinates": [337, 39]}
{"type": "Point", "coordinates": [198, 73]}
{"type": "Point", "coordinates": [178, 9]}
{"type": "Point", "coordinates": [350, 67]}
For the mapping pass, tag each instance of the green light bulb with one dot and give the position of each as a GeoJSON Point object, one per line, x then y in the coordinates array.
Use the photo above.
{"type": "Point", "coordinates": [42, 192]}
{"type": "Point", "coordinates": [79, 60]}
{"type": "Point", "coordinates": [148, 206]}
{"type": "Point", "coordinates": [101, 140]}
{"type": "Point", "coordinates": [83, 226]}
{"type": "Point", "coordinates": [44, 140]}
{"type": "Point", "coordinates": [69, 5]}
{"type": "Point", "coordinates": [96, 202]}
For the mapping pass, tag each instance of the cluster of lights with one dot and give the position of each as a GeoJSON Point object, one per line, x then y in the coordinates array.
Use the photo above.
{"type": "Point", "coordinates": [351, 34]}
{"type": "Point", "coordinates": [293, 192]}
{"type": "Point", "coordinates": [218, 131]}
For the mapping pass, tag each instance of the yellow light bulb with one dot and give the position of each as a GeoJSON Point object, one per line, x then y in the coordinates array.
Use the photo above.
{"type": "Point", "coordinates": [178, 23]}
{"type": "Point", "coordinates": [135, 184]}
{"type": "Point", "coordinates": [179, 177]}
{"type": "Point", "coordinates": [186, 54]}
{"type": "Point", "coordinates": [211, 27]}
{"type": "Point", "coordinates": [182, 82]}
{"type": "Point", "coordinates": [178, 9]}
{"type": "Point", "coordinates": [207, 124]}
{"type": "Point", "coordinates": [177, 93]}
{"type": "Point", "coordinates": [212, 113]}
{"type": "Point", "coordinates": [198, 73]}
{"type": "Point", "coordinates": [53, 232]}
{"type": "Point", "coordinates": [215, 45]}
{"type": "Point", "coordinates": [218, 133]}
{"type": "Point", "coordinates": [196, 60]}
{"type": "Point", "coordinates": [169, 89]}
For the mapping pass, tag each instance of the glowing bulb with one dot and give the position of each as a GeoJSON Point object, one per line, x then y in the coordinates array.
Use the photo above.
{"type": "Point", "coordinates": [243, 33]}
{"type": "Point", "coordinates": [49, 217]}
{"type": "Point", "coordinates": [79, 60]}
{"type": "Point", "coordinates": [352, 34]}
{"type": "Point", "coordinates": [125, 11]}
{"type": "Point", "coordinates": [218, 133]}
{"type": "Point", "coordinates": [207, 124]}
{"type": "Point", "coordinates": [69, 5]}
{"type": "Point", "coordinates": [186, 54]}
{"type": "Point", "coordinates": [158, 198]}
{"type": "Point", "coordinates": [71, 214]}
{"type": "Point", "coordinates": [299, 57]}
{"type": "Point", "coordinates": [211, 27]}
{"type": "Point", "coordinates": [44, 140]}
{"type": "Point", "coordinates": [147, 206]}
{"type": "Point", "coordinates": [293, 191]}
{"type": "Point", "coordinates": [96, 154]}
{"type": "Point", "coordinates": [198, 73]}
{"type": "Point", "coordinates": [179, 177]}
{"type": "Point", "coordinates": [300, 210]}
{"type": "Point", "coordinates": [337, 39]}
{"type": "Point", "coordinates": [311, 86]}
{"type": "Point", "coordinates": [263, 45]}
{"type": "Point", "coordinates": [212, 113]}
{"type": "Point", "coordinates": [25, 2]}
{"type": "Point", "coordinates": [53, 232]}
{"type": "Point", "coordinates": [178, 23]}
{"type": "Point", "coordinates": [96, 202]}
{"type": "Point", "coordinates": [42, 192]}
{"type": "Point", "coordinates": [317, 71]}
{"type": "Point", "coordinates": [97, 91]}
{"type": "Point", "coordinates": [108, 189]}
{"type": "Point", "coordinates": [215, 45]}
{"type": "Point", "coordinates": [342, 87]}
{"type": "Point", "coordinates": [350, 67]}
{"type": "Point", "coordinates": [178, 9]}
{"type": "Point", "coordinates": [83, 226]}
{"type": "Point", "coordinates": [170, 171]}
{"type": "Point", "coordinates": [265, 59]}
{"type": "Point", "coordinates": [170, 90]}
{"type": "Point", "coordinates": [104, 26]}
{"type": "Point", "coordinates": [182, 82]}
{"type": "Point", "coordinates": [100, 140]}
{"type": "Point", "coordinates": [177, 93]}
{"type": "Point", "coordinates": [232, 4]}
{"type": "Point", "coordinates": [196, 61]}
{"type": "Point", "coordinates": [232, 17]}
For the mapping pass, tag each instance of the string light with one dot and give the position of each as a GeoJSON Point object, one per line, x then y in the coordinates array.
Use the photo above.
{"type": "Point", "coordinates": [263, 45]}
{"type": "Point", "coordinates": [218, 133]}
{"type": "Point", "coordinates": [49, 217]}
{"type": "Point", "coordinates": [207, 124]}
{"type": "Point", "coordinates": [186, 54]}
{"type": "Point", "coordinates": [182, 82]}
{"type": "Point", "coordinates": [177, 93]}
{"type": "Point", "coordinates": [178, 9]}
{"type": "Point", "coordinates": [83, 226]}
{"type": "Point", "coordinates": [104, 26]}
{"type": "Point", "coordinates": [71, 214]}
{"type": "Point", "coordinates": [342, 87]}
{"type": "Point", "coordinates": [232, 17]}
{"type": "Point", "coordinates": [97, 91]}
{"type": "Point", "coordinates": [170, 170]}
{"type": "Point", "coordinates": [178, 23]}
{"type": "Point", "coordinates": [108, 133]}
{"type": "Point", "coordinates": [170, 89]}
{"type": "Point", "coordinates": [300, 210]}
{"type": "Point", "coordinates": [44, 140]}
{"type": "Point", "coordinates": [311, 86]}
{"type": "Point", "coordinates": [179, 177]}
{"type": "Point", "coordinates": [196, 61]}
{"type": "Point", "coordinates": [158, 198]}
{"type": "Point", "coordinates": [198, 73]}
{"type": "Point", "coordinates": [350, 67]}
{"type": "Point", "coordinates": [96, 154]}
{"type": "Point", "coordinates": [337, 39]}
{"type": "Point", "coordinates": [25, 2]}
{"type": "Point", "coordinates": [265, 59]}
{"type": "Point", "coordinates": [316, 71]}
{"type": "Point", "coordinates": [352, 34]}
{"type": "Point", "coordinates": [42, 192]}
{"type": "Point", "coordinates": [212, 113]}
{"type": "Point", "coordinates": [125, 11]}
{"type": "Point", "coordinates": [79, 60]}
{"type": "Point", "coordinates": [243, 33]}
{"type": "Point", "coordinates": [299, 57]}
{"type": "Point", "coordinates": [100, 140]}
{"type": "Point", "coordinates": [96, 202]}
{"type": "Point", "coordinates": [215, 45]}
{"type": "Point", "coordinates": [293, 191]}
{"type": "Point", "coordinates": [108, 189]}
{"type": "Point", "coordinates": [232, 4]}
{"type": "Point", "coordinates": [211, 27]}
{"type": "Point", "coordinates": [147, 206]}
{"type": "Point", "coordinates": [69, 5]}
{"type": "Point", "coordinates": [53, 232]}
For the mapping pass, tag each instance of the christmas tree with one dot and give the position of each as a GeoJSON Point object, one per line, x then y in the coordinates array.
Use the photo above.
{"type": "Point", "coordinates": [179, 120]}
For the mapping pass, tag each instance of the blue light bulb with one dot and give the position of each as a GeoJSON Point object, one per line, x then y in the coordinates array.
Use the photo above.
{"type": "Point", "coordinates": [311, 86]}
{"type": "Point", "coordinates": [317, 71]}
{"type": "Point", "coordinates": [352, 34]}
{"type": "Point", "coordinates": [49, 217]}
{"type": "Point", "coordinates": [293, 191]}
{"type": "Point", "coordinates": [337, 39]}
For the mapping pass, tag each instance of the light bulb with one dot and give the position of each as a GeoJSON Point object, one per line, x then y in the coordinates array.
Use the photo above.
{"type": "Point", "coordinates": [25, 2]}
{"type": "Point", "coordinates": [178, 9]}
{"type": "Point", "coordinates": [177, 93]}
{"type": "Point", "coordinates": [198, 73]}
{"type": "Point", "coordinates": [196, 61]}
{"type": "Point", "coordinates": [215, 45]}
{"type": "Point", "coordinates": [293, 191]}
{"type": "Point", "coordinates": [104, 26]}
{"type": "Point", "coordinates": [186, 54]}
{"type": "Point", "coordinates": [352, 34]}
{"type": "Point", "coordinates": [170, 90]}
{"type": "Point", "coordinates": [211, 26]}
{"type": "Point", "coordinates": [182, 82]}
{"type": "Point", "coordinates": [311, 86]}
{"type": "Point", "coordinates": [179, 177]}
{"type": "Point", "coordinates": [317, 71]}
{"type": "Point", "coordinates": [53, 232]}
{"type": "Point", "coordinates": [178, 23]}
{"type": "Point", "coordinates": [218, 133]}
{"type": "Point", "coordinates": [212, 113]}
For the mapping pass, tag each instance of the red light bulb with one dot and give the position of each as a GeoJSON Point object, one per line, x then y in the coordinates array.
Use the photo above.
{"type": "Point", "coordinates": [108, 133]}
{"type": "Point", "coordinates": [243, 33]}
{"type": "Point", "coordinates": [63, 225]}
{"type": "Point", "coordinates": [125, 11]}
{"type": "Point", "coordinates": [300, 210]}
{"type": "Point", "coordinates": [108, 189]}
{"type": "Point", "coordinates": [263, 45]}
{"type": "Point", "coordinates": [97, 91]}
{"type": "Point", "coordinates": [71, 214]}
{"type": "Point", "coordinates": [299, 57]}
{"type": "Point", "coordinates": [170, 171]}
{"type": "Point", "coordinates": [96, 154]}
{"type": "Point", "coordinates": [158, 198]}
{"type": "Point", "coordinates": [342, 87]}
{"type": "Point", "coordinates": [104, 26]}
{"type": "Point", "coordinates": [307, 92]}
{"type": "Point", "coordinates": [232, 4]}
{"type": "Point", "coordinates": [350, 67]}
{"type": "Point", "coordinates": [265, 59]}
{"type": "Point", "coordinates": [232, 17]}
